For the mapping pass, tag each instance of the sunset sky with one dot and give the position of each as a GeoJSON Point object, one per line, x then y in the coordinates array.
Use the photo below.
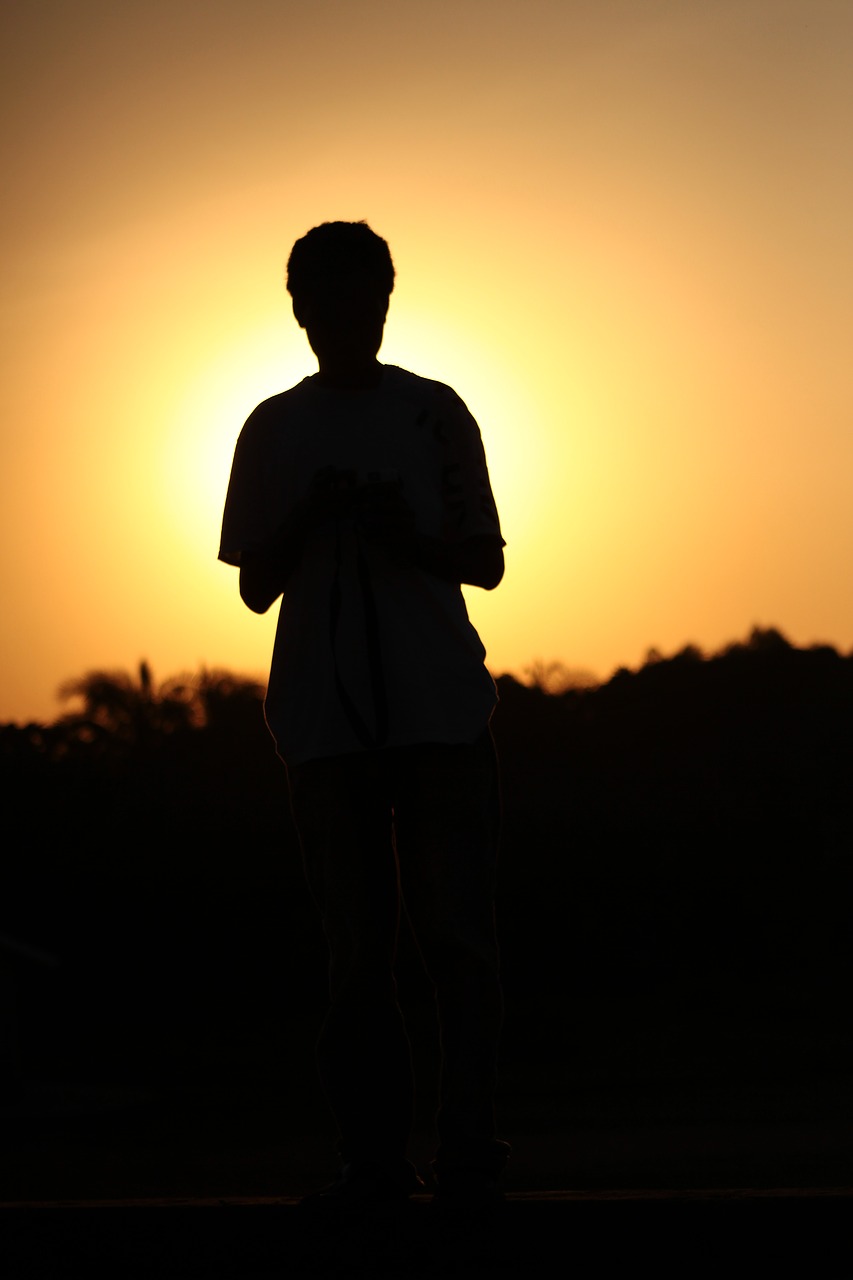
{"type": "Point", "coordinates": [622, 232]}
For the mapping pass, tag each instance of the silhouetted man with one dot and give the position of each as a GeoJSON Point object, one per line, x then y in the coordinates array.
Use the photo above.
{"type": "Point", "coordinates": [361, 496]}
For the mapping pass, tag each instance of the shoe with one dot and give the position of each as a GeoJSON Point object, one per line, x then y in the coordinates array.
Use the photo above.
{"type": "Point", "coordinates": [469, 1180]}
{"type": "Point", "coordinates": [363, 1186]}
{"type": "Point", "coordinates": [467, 1191]}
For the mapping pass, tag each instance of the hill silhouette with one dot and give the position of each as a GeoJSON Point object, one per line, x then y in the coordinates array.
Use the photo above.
{"type": "Point", "coordinates": [675, 876]}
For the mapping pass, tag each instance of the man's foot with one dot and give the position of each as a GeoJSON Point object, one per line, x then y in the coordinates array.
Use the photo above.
{"type": "Point", "coordinates": [363, 1186]}
{"type": "Point", "coordinates": [468, 1181]}
{"type": "Point", "coordinates": [467, 1191]}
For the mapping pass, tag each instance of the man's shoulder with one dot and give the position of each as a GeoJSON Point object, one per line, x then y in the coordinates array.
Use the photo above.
{"type": "Point", "coordinates": [427, 390]}
{"type": "Point", "coordinates": [282, 403]}
{"type": "Point", "coordinates": [275, 416]}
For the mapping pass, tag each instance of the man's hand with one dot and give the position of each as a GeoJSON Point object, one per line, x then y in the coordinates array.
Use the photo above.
{"type": "Point", "coordinates": [383, 513]}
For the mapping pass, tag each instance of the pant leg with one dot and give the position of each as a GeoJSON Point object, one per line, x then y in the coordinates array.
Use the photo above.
{"type": "Point", "coordinates": [342, 810]}
{"type": "Point", "coordinates": [447, 817]}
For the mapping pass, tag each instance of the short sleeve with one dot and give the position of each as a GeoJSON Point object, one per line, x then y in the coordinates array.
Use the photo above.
{"type": "Point", "coordinates": [245, 521]}
{"type": "Point", "coordinates": [468, 505]}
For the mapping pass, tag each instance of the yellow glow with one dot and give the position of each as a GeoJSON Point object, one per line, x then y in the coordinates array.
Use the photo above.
{"type": "Point", "coordinates": [621, 234]}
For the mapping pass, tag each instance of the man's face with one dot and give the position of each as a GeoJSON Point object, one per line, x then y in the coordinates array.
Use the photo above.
{"type": "Point", "coordinates": [344, 321]}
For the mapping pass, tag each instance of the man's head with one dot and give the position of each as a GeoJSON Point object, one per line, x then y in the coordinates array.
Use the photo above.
{"type": "Point", "coordinates": [340, 276]}
{"type": "Point", "coordinates": [336, 249]}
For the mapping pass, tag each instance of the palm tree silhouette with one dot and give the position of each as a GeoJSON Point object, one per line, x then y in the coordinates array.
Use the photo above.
{"type": "Point", "coordinates": [127, 710]}
{"type": "Point", "coordinates": [134, 711]}
{"type": "Point", "coordinates": [223, 701]}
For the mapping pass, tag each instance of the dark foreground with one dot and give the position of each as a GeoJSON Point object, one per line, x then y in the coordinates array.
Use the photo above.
{"type": "Point", "coordinates": [595, 1234]}
{"type": "Point", "coordinates": [101, 1183]}
{"type": "Point", "coordinates": [693, 1169]}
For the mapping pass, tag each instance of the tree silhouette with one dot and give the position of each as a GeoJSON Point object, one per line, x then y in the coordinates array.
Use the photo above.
{"type": "Point", "coordinates": [557, 677]}
{"type": "Point", "coordinates": [220, 700]}
{"type": "Point", "coordinates": [127, 711]}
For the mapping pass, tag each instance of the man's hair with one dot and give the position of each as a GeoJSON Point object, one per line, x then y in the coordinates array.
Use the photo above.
{"type": "Point", "coordinates": [335, 248]}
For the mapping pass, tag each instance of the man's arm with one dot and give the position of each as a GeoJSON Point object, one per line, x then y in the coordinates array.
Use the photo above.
{"type": "Point", "coordinates": [477, 561]}
{"type": "Point", "coordinates": [265, 570]}
{"type": "Point", "coordinates": [262, 579]}
{"type": "Point", "coordinates": [387, 518]}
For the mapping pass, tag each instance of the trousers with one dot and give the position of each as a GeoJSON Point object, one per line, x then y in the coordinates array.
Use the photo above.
{"type": "Point", "coordinates": [411, 828]}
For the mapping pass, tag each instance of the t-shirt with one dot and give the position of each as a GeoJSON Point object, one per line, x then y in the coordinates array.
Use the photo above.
{"type": "Point", "coordinates": [369, 651]}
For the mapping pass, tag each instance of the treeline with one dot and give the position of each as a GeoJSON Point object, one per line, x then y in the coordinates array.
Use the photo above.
{"type": "Point", "coordinates": [678, 838]}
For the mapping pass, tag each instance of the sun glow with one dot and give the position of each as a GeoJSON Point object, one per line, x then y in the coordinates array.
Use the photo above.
{"type": "Point", "coordinates": [621, 235]}
{"type": "Point", "coordinates": [197, 447]}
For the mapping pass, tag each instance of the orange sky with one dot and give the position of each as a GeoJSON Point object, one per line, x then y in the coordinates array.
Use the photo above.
{"type": "Point", "coordinates": [622, 233]}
